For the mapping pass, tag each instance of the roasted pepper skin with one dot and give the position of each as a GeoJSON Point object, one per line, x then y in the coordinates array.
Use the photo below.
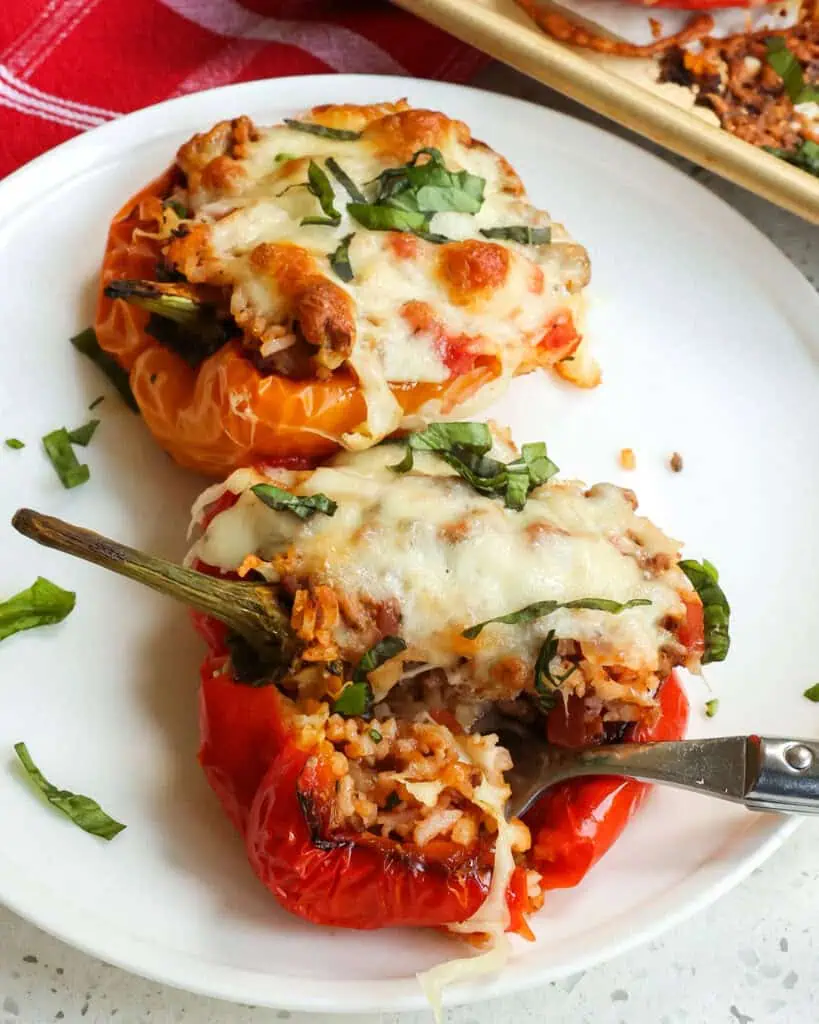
{"type": "Point", "coordinates": [277, 792]}
{"type": "Point", "coordinates": [575, 823]}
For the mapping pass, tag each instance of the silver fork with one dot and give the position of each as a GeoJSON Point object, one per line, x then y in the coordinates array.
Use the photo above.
{"type": "Point", "coordinates": [763, 773]}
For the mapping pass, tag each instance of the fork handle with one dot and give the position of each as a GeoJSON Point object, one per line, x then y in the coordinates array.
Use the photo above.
{"type": "Point", "coordinates": [763, 773]}
{"type": "Point", "coordinates": [783, 775]}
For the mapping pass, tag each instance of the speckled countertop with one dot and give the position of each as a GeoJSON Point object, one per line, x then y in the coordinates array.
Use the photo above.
{"type": "Point", "coordinates": [752, 957]}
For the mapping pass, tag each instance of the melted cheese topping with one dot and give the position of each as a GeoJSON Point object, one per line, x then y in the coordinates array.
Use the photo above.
{"type": "Point", "coordinates": [449, 557]}
{"type": "Point", "coordinates": [411, 299]}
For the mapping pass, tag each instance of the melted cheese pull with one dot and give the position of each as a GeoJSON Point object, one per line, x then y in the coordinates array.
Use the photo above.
{"type": "Point", "coordinates": [442, 557]}
{"type": "Point", "coordinates": [414, 311]}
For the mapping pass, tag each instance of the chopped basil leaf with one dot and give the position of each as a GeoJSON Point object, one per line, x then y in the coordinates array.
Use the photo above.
{"type": "Point", "coordinates": [96, 402]}
{"type": "Point", "coordinates": [178, 208]}
{"type": "Point", "coordinates": [406, 464]}
{"type": "Point", "coordinates": [383, 651]}
{"type": "Point", "coordinates": [303, 506]}
{"type": "Point", "coordinates": [345, 181]}
{"type": "Point", "coordinates": [318, 184]}
{"type": "Point", "coordinates": [786, 64]}
{"type": "Point", "coordinates": [341, 134]}
{"type": "Point", "coordinates": [812, 693]}
{"type": "Point", "coordinates": [82, 810]}
{"type": "Point", "coordinates": [711, 707]}
{"type": "Point", "coordinates": [82, 435]}
{"type": "Point", "coordinates": [464, 445]}
{"type": "Point", "coordinates": [281, 157]}
{"type": "Point", "coordinates": [520, 233]}
{"type": "Point", "coordinates": [86, 343]}
{"type": "Point", "coordinates": [14, 442]}
{"type": "Point", "coordinates": [545, 687]}
{"type": "Point", "coordinates": [429, 187]}
{"type": "Point", "coordinates": [386, 218]}
{"type": "Point", "coordinates": [443, 437]}
{"type": "Point", "coordinates": [41, 604]}
{"type": "Point", "coordinates": [375, 735]}
{"type": "Point", "coordinates": [541, 608]}
{"type": "Point", "coordinates": [58, 448]}
{"type": "Point", "coordinates": [486, 475]}
{"type": "Point", "coordinates": [533, 468]}
{"type": "Point", "coordinates": [431, 236]}
{"type": "Point", "coordinates": [716, 610]}
{"type": "Point", "coordinates": [407, 197]}
{"type": "Point", "coordinates": [354, 701]}
{"type": "Point", "coordinates": [517, 488]}
{"type": "Point", "coordinates": [806, 156]}
{"type": "Point", "coordinates": [340, 259]}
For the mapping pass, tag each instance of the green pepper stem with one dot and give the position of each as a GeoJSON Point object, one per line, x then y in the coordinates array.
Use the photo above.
{"type": "Point", "coordinates": [161, 299]}
{"type": "Point", "coordinates": [250, 609]}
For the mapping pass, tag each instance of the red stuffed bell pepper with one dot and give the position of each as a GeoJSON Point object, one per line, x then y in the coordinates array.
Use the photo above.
{"type": "Point", "coordinates": [364, 795]}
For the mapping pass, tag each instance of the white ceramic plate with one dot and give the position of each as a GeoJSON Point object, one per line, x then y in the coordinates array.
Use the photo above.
{"type": "Point", "coordinates": [704, 331]}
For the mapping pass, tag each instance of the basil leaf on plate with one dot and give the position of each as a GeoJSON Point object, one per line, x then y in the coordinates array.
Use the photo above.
{"type": "Point", "coordinates": [14, 442]}
{"type": "Point", "coordinates": [520, 233]}
{"type": "Point", "coordinates": [540, 608]}
{"type": "Point", "coordinates": [711, 707]}
{"type": "Point", "coordinates": [303, 506]}
{"type": "Point", "coordinates": [86, 343]}
{"type": "Point", "coordinates": [82, 435]}
{"type": "Point", "coordinates": [311, 128]}
{"type": "Point", "coordinates": [812, 693]}
{"type": "Point", "coordinates": [715, 608]}
{"type": "Point", "coordinates": [58, 448]}
{"type": "Point", "coordinates": [82, 810]}
{"type": "Point", "coordinates": [41, 604]}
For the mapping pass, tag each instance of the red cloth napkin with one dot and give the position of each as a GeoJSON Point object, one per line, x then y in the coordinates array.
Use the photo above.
{"type": "Point", "coordinates": [68, 65]}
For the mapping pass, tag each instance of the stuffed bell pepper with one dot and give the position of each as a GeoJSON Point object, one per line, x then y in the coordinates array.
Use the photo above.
{"type": "Point", "coordinates": [284, 291]}
{"type": "Point", "coordinates": [368, 619]}
{"type": "Point", "coordinates": [428, 583]}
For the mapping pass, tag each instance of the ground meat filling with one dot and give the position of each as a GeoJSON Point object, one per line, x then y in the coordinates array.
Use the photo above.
{"type": "Point", "coordinates": [732, 77]}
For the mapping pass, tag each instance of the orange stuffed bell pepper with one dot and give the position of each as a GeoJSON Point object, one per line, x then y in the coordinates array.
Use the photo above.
{"type": "Point", "coordinates": [282, 292]}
